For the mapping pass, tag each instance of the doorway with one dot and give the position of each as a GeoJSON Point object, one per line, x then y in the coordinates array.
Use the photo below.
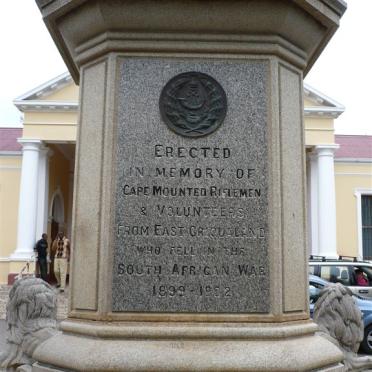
{"type": "Point", "coordinates": [57, 216]}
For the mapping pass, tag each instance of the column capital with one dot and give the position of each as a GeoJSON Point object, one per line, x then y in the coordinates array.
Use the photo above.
{"type": "Point", "coordinates": [30, 144]}
{"type": "Point", "coordinates": [325, 150]}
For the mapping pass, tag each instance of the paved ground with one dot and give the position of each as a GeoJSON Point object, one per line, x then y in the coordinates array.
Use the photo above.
{"type": "Point", "coordinates": [2, 334]}
{"type": "Point", "coordinates": [4, 290]}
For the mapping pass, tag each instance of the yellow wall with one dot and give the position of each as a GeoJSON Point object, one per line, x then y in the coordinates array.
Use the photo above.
{"type": "Point", "coordinates": [14, 267]}
{"type": "Point", "coordinates": [69, 93]}
{"type": "Point", "coordinates": [10, 174]}
{"type": "Point", "coordinates": [51, 133]}
{"type": "Point", "coordinates": [4, 270]}
{"type": "Point", "coordinates": [348, 178]}
{"type": "Point", "coordinates": [319, 131]}
{"type": "Point", "coordinates": [50, 126]}
{"type": "Point", "coordinates": [10, 177]}
{"type": "Point", "coordinates": [50, 118]}
{"type": "Point", "coordinates": [311, 103]}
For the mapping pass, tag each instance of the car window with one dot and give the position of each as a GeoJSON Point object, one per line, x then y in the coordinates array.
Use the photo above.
{"type": "Point", "coordinates": [312, 270]}
{"type": "Point", "coordinates": [366, 276]}
{"type": "Point", "coordinates": [335, 274]}
{"type": "Point", "coordinates": [367, 270]}
{"type": "Point", "coordinates": [314, 291]}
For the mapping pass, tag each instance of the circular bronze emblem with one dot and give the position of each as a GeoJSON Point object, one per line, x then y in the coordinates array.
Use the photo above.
{"type": "Point", "coordinates": [193, 104]}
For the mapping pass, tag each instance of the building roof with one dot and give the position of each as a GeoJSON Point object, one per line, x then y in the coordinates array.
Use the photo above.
{"type": "Point", "coordinates": [324, 106]}
{"type": "Point", "coordinates": [8, 139]}
{"type": "Point", "coordinates": [47, 88]}
{"type": "Point", "coordinates": [31, 100]}
{"type": "Point", "coordinates": [354, 147]}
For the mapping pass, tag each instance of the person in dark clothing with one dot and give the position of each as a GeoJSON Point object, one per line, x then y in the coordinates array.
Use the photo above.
{"type": "Point", "coordinates": [41, 248]}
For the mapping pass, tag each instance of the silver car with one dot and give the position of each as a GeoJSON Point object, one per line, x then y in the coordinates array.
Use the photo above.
{"type": "Point", "coordinates": [357, 275]}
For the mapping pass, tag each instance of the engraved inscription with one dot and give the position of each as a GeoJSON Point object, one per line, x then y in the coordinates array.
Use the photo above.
{"type": "Point", "coordinates": [191, 216]}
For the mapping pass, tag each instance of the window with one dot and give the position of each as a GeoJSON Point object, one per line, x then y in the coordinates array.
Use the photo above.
{"type": "Point", "coordinates": [314, 291]}
{"type": "Point", "coordinates": [367, 272]}
{"type": "Point", "coordinates": [367, 226]}
{"type": "Point", "coordinates": [335, 274]}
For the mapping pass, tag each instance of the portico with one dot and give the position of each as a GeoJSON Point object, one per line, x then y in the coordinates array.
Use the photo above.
{"type": "Point", "coordinates": [48, 158]}
{"type": "Point", "coordinates": [320, 112]}
{"type": "Point", "coordinates": [45, 196]}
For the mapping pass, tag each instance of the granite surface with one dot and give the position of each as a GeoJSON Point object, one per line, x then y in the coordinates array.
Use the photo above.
{"type": "Point", "coordinates": [191, 213]}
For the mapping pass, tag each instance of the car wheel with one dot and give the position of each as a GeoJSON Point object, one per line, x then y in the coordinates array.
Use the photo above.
{"type": "Point", "coordinates": [366, 344]}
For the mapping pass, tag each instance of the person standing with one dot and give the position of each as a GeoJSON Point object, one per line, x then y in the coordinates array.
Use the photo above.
{"type": "Point", "coordinates": [61, 247]}
{"type": "Point", "coordinates": [41, 249]}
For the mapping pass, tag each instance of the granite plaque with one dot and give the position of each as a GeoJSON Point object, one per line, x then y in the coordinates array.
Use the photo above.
{"type": "Point", "coordinates": [191, 212]}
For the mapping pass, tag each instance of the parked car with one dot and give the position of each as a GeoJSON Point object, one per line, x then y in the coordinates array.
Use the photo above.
{"type": "Point", "coordinates": [316, 284]}
{"type": "Point", "coordinates": [357, 275]}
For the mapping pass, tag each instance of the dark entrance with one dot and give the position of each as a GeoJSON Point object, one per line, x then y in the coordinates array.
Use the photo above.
{"type": "Point", "coordinates": [57, 219]}
{"type": "Point", "coordinates": [367, 226]}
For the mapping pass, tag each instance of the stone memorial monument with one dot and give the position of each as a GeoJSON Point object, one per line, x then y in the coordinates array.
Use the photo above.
{"type": "Point", "coordinates": [189, 237]}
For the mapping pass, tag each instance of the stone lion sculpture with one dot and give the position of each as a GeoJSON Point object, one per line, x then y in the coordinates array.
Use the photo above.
{"type": "Point", "coordinates": [340, 320]}
{"type": "Point", "coordinates": [31, 315]}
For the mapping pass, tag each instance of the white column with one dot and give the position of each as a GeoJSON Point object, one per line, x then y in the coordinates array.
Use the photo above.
{"type": "Point", "coordinates": [313, 203]}
{"type": "Point", "coordinates": [27, 209]}
{"type": "Point", "coordinates": [70, 197]}
{"type": "Point", "coordinates": [43, 191]}
{"type": "Point", "coordinates": [326, 201]}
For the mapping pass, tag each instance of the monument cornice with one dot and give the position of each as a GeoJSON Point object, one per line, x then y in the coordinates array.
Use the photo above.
{"type": "Point", "coordinates": [189, 45]}
{"type": "Point", "coordinates": [296, 30]}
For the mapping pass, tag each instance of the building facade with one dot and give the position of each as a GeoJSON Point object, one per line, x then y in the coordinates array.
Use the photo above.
{"type": "Point", "coordinates": [353, 177]}
{"type": "Point", "coordinates": [37, 176]}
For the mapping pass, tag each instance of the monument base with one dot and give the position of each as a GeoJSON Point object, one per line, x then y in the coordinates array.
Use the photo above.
{"type": "Point", "coordinates": [99, 346]}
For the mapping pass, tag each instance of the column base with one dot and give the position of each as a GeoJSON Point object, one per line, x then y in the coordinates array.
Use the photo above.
{"type": "Point", "coordinates": [95, 346]}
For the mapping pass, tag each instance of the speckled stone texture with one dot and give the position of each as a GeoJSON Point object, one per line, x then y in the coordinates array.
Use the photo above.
{"type": "Point", "coordinates": [205, 251]}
